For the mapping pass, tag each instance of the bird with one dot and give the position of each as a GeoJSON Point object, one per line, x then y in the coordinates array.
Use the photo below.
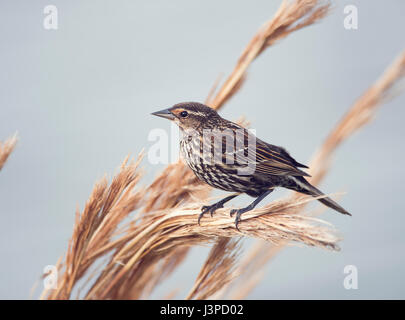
{"type": "Point", "coordinates": [229, 157]}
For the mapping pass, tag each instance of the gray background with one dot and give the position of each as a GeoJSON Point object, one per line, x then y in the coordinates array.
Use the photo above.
{"type": "Point", "coordinates": [80, 99]}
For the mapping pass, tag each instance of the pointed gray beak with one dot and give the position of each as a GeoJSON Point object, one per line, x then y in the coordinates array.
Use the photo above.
{"type": "Point", "coordinates": [164, 114]}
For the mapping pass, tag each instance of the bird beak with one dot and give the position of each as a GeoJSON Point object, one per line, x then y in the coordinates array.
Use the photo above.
{"type": "Point", "coordinates": [164, 114]}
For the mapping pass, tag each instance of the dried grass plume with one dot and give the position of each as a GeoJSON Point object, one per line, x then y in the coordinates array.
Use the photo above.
{"type": "Point", "coordinates": [6, 148]}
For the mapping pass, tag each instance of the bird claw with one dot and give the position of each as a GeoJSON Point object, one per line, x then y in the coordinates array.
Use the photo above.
{"type": "Point", "coordinates": [232, 212]}
{"type": "Point", "coordinates": [211, 209]}
{"type": "Point", "coordinates": [238, 214]}
{"type": "Point", "coordinates": [203, 211]}
{"type": "Point", "coordinates": [237, 220]}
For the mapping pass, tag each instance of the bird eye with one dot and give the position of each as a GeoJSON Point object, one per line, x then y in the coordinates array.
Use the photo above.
{"type": "Point", "coordinates": [183, 114]}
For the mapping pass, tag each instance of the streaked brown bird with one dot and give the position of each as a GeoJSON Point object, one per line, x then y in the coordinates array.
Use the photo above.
{"type": "Point", "coordinates": [230, 157]}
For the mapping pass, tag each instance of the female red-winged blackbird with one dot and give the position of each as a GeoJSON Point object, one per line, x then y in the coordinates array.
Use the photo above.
{"type": "Point", "coordinates": [230, 157]}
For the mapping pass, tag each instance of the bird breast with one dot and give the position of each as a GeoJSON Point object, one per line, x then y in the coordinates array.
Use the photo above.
{"type": "Point", "coordinates": [210, 168]}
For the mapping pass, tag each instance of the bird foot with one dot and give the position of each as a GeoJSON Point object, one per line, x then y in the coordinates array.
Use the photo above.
{"type": "Point", "coordinates": [211, 209]}
{"type": "Point", "coordinates": [239, 212]}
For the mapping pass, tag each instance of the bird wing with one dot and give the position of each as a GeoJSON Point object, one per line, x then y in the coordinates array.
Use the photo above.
{"type": "Point", "coordinates": [270, 160]}
{"type": "Point", "coordinates": [267, 159]}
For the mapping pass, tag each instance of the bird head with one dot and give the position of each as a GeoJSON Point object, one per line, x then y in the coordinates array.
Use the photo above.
{"type": "Point", "coordinates": [190, 115]}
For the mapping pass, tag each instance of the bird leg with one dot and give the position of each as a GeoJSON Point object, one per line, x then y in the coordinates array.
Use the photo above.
{"type": "Point", "coordinates": [249, 207]}
{"type": "Point", "coordinates": [212, 208]}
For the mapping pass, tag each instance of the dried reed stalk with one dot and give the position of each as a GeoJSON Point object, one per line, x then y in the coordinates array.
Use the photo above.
{"type": "Point", "coordinates": [361, 113]}
{"type": "Point", "coordinates": [6, 148]}
{"type": "Point", "coordinates": [162, 232]}
{"type": "Point", "coordinates": [106, 208]}
{"type": "Point", "coordinates": [139, 254]}
{"type": "Point", "coordinates": [291, 16]}
{"type": "Point", "coordinates": [154, 237]}
{"type": "Point", "coordinates": [217, 272]}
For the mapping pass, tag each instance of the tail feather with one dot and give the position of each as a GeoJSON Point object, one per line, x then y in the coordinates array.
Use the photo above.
{"type": "Point", "coordinates": [303, 186]}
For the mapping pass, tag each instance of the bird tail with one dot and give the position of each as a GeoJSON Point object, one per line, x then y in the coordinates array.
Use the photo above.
{"type": "Point", "coordinates": [301, 185]}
